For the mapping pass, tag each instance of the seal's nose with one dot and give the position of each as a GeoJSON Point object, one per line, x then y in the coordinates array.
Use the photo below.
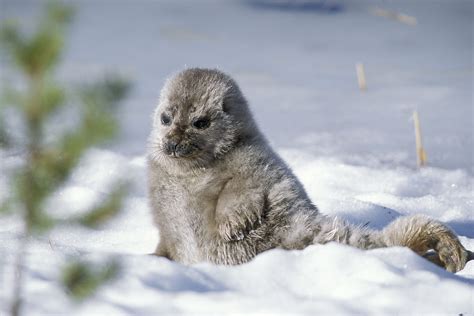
{"type": "Point", "coordinates": [171, 147]}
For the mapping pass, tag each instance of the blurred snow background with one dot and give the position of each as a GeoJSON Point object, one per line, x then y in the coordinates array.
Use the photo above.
{"type": "Point", "coordinates": [354, 151]}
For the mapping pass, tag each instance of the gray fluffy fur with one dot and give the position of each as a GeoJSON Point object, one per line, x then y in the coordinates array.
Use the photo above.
{"type": "Point", "coordinates": [219, 193]}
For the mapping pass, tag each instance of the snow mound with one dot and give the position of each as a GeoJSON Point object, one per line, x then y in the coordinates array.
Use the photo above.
{"type": "Point", "coordinates": [329, 278]}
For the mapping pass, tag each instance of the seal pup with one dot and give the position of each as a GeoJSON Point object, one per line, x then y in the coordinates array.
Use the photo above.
{"type": "Point", "coordinates": [219, 193]}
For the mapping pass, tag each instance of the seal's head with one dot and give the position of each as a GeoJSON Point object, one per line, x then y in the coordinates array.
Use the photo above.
{"type": "Point", "coordinates": [200, 117]}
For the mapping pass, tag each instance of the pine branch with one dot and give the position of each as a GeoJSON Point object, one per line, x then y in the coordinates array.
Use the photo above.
{"type": "Point", "coordinates": [48, 166]}
{"type": "Point", "coordinates": [81, 279]}
{"type": "Point", "coordinates": [105, 210]}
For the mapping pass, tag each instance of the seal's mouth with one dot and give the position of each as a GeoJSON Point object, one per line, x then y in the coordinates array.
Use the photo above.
{"type": "Point", "coordinates": [176, 155]}
{"type": "Point", "coordinates": [180, 150]}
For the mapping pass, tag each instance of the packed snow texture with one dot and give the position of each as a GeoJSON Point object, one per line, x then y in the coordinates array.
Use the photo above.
{"type": "Point", "coordinates": [353, 151]}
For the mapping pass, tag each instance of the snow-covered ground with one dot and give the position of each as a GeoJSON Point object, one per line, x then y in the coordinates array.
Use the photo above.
{"type": "Point", "coordinates": [353, 151]}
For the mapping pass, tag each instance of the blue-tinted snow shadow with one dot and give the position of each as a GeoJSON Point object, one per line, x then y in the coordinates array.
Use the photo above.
{"type": "Point", "coordinates": [373, 216]}
{"type": "Point", "coordinates": [377, 217]}
{"type": "Point", "coordinates": [463, 228]}
{"type": "Point", "coordinates": [319, 6]}
{"type": "Point", "coordinates": [184, 279]}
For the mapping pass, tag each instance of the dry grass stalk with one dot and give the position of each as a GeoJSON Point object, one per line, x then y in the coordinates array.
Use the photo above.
{"type": "Point", "coordinates": [420, 151]}
{"type": "Point", "coordinates": [393, 15]}
{"type": "Point", "coordinates": [361, 76]}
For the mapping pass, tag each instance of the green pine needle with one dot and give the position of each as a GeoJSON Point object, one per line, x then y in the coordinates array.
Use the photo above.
{"type": "Point", "coordinates": [105, 210]}
{"type": "Point", "coordinates": [82, 280]}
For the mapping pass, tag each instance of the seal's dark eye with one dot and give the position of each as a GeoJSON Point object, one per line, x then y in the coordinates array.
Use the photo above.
{"type": "Point", "coordinates": [201, 123]}
{"type": "Point", "coordinates": [165, 119]}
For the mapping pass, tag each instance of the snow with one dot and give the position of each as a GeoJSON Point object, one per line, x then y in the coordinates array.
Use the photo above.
{"type": "Point", "coordinates": [353, 151]}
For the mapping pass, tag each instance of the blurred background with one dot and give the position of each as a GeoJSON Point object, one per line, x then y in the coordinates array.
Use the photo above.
{"type": "Point", "coordinates": [296, 63]}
